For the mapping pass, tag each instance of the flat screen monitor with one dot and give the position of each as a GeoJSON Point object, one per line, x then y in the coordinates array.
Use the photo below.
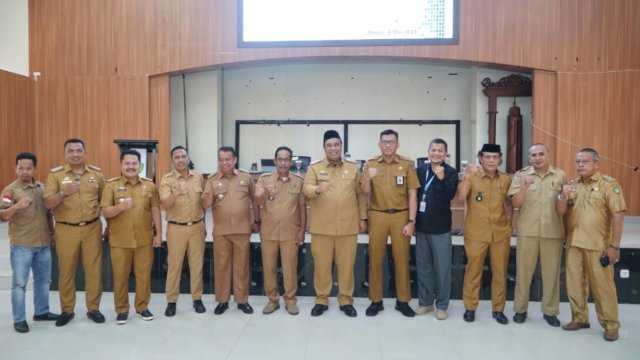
{"type": "Point", "coordinates": [287, 23]}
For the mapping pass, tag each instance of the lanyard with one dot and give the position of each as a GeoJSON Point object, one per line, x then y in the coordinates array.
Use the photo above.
{"type": "Point", "coordinates": [426, 186]}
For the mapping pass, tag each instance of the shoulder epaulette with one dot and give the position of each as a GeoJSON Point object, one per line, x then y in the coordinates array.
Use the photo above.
{"type": "Point", "coordinates": [94, 168]}
{"type": "Point", "coordinates": [315, 162]}
{"type": "Point", "coordinates": [297, 175]}
{"type": "Point", "coordinates": [376, 157]}
{"type": "Point", "coordinates": [145, 179]}
{"type": "Point", "coordinates": [524, 169]}
{"type": "Point", "coordinates": [243, 171]}
{"type": "Point", "coordinates": [406, 158]}
{"type": "Point", "coordinates": [113, 179]}
{"type": "Point", "coordinates": [608, 178]}
{"type": "Point", "coordinates": [350, 161]}
{"type": "Point", "coordinates": [57, 168]}
{"type": "Point", "coordinates": [265, 174]}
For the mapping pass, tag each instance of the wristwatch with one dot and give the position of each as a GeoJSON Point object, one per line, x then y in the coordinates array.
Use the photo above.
{"type": "Point", "coordinates": [562, 197]}
{"type": "Point", "coordinates": [257, 222]}
{"type": "Point", "coordinates": [61, 194]}
{"type": "Point", "coordinates": [411, 221]}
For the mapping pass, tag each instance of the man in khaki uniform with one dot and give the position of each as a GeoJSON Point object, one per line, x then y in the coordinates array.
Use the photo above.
{"type": "Point", "coordinates": [284, 220]}
{"type": "Point", "coordinates": [131, 205]}
{"type": "Point", "coordinates": [30, 237]}
{"type": "Point", "coordinates": [180, 194]}
{"type": "Point", "coordinates": [338, 212]}
{"type": "Point", "coordinates": [534, 190]}
{"type": "Point", "coordinates": [73, 191]}
{"type": "Point", "coordinates": [594, 208]}
{"type": "Point", "coordinates": [230, 192]}
{"type": "Point", "coordinates": [486, 228]}
{"type": "Point", "coordinates": [392, 182]}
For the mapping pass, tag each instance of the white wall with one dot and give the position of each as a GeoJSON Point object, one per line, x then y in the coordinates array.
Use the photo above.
{"type": "Point", "coordinates": [354, 90]}
{"type": "Point", "coordinates": [14, 36]}
{"type": "Point", "coordinates": [203, 117]}
{"type": "Point", "coordinates": [335, 90]}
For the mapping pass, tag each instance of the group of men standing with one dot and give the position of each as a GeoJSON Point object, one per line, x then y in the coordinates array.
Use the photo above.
{"type": "Point", "coordinates": [389, 199]}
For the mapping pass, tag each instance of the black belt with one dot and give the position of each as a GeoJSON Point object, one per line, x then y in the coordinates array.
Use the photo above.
{"type": "Point", "coordinates": [184, 224]}
{"type": "Point", "coordinates": [391, 211]}
{"type": "Point", "coordinates": [84, 223]}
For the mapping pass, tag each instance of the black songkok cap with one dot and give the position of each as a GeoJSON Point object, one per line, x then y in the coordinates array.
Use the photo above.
{"type": "Point", "coordinates": [492, 148]}
{"type": "Point", "coordinates": [331, 134]}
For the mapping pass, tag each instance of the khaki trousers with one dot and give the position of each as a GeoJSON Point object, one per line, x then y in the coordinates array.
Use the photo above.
{"type": "Point", "coordinates": [122, 260]}
{"type": "Point", "coordinates": [231, 257]}
{"type": "Point", "coordinates": [183, 240]}
{"type": "Point", "coordinates": [325, 249]}
{"type": "Point", "coordinates": [288, 251]}
{"type": "Point", "coordinates": [381, 226]}
{"type": "Point", "coordinates": [549, 251]}
{"type": "Point", "coordinates": [71, 243]}
{"type": "Point", "coordinates": [584, 271]}
{"type": "Point", "coordinates": [499, 258]}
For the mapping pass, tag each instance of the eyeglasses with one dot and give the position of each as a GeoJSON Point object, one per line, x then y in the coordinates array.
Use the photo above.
{"type": "Point", "coordinates": [388, 142]}
{"type": "Point", "coordinates": [280, 160]}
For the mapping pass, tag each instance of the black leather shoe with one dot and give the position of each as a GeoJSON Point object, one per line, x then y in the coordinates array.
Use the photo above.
{"type": "Point", "coordinates": [198, 306]}
{"type": "Point", "coordinates": [96, 316]}
{"type": "Point", "coordinates": [374, 308]}
{"type": "Point", "coordinates": [246, 308]}
{"type": "Point", "coordinates": [552, 320]}
{"type": "Point", "coordinates": [171, 310]}
{"type": "Point", "coordinates": [64, 318]}
{"type": "Point", "coordinates": [21, 327]}
{"type": "Point", "coordinates": [500, 318]}
{"type": "Point", "coordinates": [405, 309]}
{"type": "Point", "coordinates": [318, 309]}
{"type": "Point", "coordinates": [469, 315]}
{"type": "Point", "coordinates": [221, 308]}
{"type": "Point", "coordinates": [520, 318]}
{"type": "Point", "coordinates": [349, 310]}
{"type": "Point", "coordinates": [46, 317]}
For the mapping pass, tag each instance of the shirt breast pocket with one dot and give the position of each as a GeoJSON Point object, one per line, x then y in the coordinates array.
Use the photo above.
{"type": "Point", "coordinates": [242, 188]}
{"type": "Point", "coordinates": [91, 191]}
{"type": "Point", "coordinates": [594, 196]}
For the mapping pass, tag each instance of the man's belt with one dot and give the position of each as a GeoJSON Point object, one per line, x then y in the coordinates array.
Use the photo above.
{"type": "Point", "coordinates": [185, 223]}
{"type": "Point", "coordinates": [390, 211]}
{"type": "Point", "coordinates": [84, 223]}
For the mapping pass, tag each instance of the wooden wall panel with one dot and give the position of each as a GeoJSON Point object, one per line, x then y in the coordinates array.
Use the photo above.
{"type": "Point", "coordinates": [16, 122]}
{"type": "Point", "coordinates": [98, 59]}
{"type": "Point", "coordinates": [97, 110]}
{"type": "Point", "coordinates": [593, 110]}
{"type": "Point", "coordinates": [90, 37]}
{"type": "Point", "coordinates": [160, 116]}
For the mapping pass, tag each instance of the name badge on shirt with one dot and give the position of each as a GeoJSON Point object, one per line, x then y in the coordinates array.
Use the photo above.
{"type": "Point", "coordinates": [399, 180]}
{"type": "Point", "coordinates": [423, 206]}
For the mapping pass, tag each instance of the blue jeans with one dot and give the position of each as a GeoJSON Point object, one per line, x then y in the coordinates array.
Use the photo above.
{"type": "Point", "coordinates": [433, 267]}
{"type": "Point", "coordinates": [23, 260]}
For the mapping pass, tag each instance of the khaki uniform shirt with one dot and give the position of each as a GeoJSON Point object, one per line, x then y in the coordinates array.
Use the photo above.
{"type": "Point", "coordinates": [390, 186]}
{"type": "Point", "coordinates": [187, 207]}
{"type": "Point", "coordinates": [232, 199]}
{"type": "Point", "coordinates": [590, 208]}
{"type": "Point", "coordinates": [27, 227]}
{"type": "Point", "coordinates": [337, 211]}
{"type": "Point", "coordinates": [281, 216]}
{"type": "Point", "coordinates": [486, 220]}
{"type": "Point", "coordinates": [131, 228]}
{"type": "Point", "coordinates": [538, 217]}
{"type": "Point", "coordinates": [83, 205]}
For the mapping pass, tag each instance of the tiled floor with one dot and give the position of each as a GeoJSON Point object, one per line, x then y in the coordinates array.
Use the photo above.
{"type": "Point", "coordinates": [235, 335]}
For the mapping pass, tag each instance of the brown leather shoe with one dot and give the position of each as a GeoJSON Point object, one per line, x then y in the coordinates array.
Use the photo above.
{"type": "Point", "coordinates": [611, 335]}
{"type": "Point", "coordinates": [574, 325]}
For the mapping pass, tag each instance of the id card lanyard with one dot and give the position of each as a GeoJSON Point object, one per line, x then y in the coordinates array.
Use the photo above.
{"type": "Point", "coordinates": [423, 202]}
